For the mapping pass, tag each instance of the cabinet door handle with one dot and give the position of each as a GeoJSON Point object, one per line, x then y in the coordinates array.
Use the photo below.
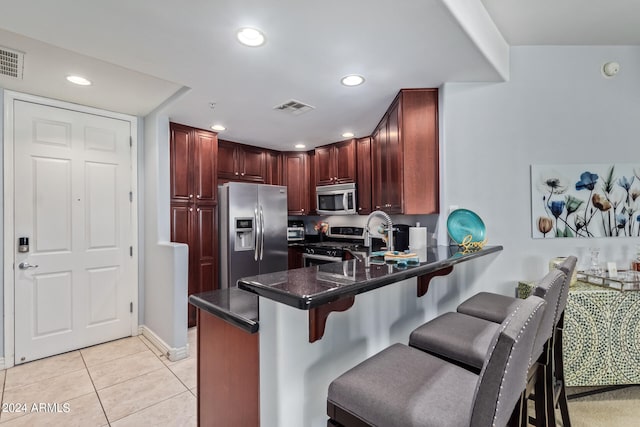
{"type": "Point", "coordinates": [191, 196]}
{"type": "Point", "coordinates": [237, 174]}
{"type": "Point", "coordinates": [198, 210]}
{"type": "Point", "coordinates": [198, 196]}
{"type": "Point", "coordinates": [377, 207]}
{"type": "Point", "coordinates": [302, 209]}
{"type": "Point", "coordinates": [335, 178]}
{"type": "Point", "coordinates": [190, 209]}
{"type": "Point", "coordinates": [359, 209]}
{"type": "Point", "coordinates": [242, 174]}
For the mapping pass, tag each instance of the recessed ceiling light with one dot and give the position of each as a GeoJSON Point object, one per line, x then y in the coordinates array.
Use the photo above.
{"type": "Point", "coordinates": [352, 80]}
{"type": "Point", "coordinates": [218, 127]}
{"type": "Point", "coordinates": [348, 135]}
{"type": "Point", "coordinates": [299, 145]}
{"type": "Point", "coordinates": [79, 80]}
{"type": "Point", "coordinates": [250, 37]}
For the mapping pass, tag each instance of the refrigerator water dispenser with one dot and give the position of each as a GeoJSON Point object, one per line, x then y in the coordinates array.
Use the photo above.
{"type": "Point", "coordinates": [244, 234]}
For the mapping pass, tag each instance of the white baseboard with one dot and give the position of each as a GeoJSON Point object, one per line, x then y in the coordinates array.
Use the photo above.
{"type": "Point", "coordinates": [171, 353]}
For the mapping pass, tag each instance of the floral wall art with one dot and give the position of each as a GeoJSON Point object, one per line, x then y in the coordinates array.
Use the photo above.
{"type": "Point", "coordinates": [596, 200]}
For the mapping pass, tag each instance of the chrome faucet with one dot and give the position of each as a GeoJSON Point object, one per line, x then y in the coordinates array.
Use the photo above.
{"type": "Point", "coordinates": [367, 231]}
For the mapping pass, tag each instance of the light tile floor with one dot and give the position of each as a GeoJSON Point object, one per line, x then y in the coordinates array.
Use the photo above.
{"type": "Point", "coordinates": [127, 382]}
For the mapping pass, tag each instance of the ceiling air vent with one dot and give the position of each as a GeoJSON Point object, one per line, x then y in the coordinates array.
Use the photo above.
{"type": "Point", "coordinates": [294, 107]}
{"type": "Point", "coordinates": [11, 63]}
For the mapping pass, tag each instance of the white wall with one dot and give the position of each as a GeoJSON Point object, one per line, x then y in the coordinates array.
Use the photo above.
{"type": "Point", "coordinates": [165, 263]}
{"type": "Point", "coordinates": [2, 222]}
{"type": "Point", "coordinates": [557, 108]}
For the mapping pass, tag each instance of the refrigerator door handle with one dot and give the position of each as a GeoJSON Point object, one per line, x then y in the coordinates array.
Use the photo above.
{"type": "Point", "coordinates": [261, 233]}
{"type": "Point", "coordinates": [256, 233]}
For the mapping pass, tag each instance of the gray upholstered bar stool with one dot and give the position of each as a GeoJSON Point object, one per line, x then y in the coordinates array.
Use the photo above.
{"type": "Point", "coordinates": [403, 386]}
{"type": "Point", "coordinates": [494, 306]}
{"type": "Point", "coordinates": [465, 339]}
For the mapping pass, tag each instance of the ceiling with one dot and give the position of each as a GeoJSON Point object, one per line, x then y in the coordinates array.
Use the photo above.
{"type": "Point", "coordinates": [139, 53]}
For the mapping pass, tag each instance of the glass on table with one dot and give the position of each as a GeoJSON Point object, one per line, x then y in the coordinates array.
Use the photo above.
{"type": "Point", "coordinates": [594, 267]}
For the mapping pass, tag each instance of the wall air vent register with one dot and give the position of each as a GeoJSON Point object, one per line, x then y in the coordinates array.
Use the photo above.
{"type": "Point", "coordinates": [294, 107]}
{"type": "Point", "coordinates": [11, 63]}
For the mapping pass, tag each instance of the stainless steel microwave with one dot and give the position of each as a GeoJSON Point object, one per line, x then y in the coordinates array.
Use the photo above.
{"type": "Point", "coordinates": [295, 234]}
{"type": "Point", "coordinates": [336, 199]}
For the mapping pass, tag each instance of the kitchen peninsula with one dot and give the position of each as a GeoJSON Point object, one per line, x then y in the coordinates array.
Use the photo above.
{"type": "Point", "coordinates": [268, 349]}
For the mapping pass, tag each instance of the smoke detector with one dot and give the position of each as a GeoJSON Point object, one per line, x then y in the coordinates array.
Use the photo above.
{"type": "Point", "coordinates": [11, 63]}
{"type": "Point", "coordinates": [294, 107]}
{"type": "Point", "coordinates": [610, 69]}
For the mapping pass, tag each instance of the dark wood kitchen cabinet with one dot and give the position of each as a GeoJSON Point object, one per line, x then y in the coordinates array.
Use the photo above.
{"type": "Point", "coordinates": [193, 182]}
{"type": "Point", "coordinates": [405, 155]}
{"type": "Point", "coordinates": [313, 200]}
{"type": "Point", "coordinates": [336, 163]}
{"type": "Point", "coordinates": [239, 162]}
{"type": "Point", "coordinates": [295, 257]}
{"type": "Point", "coordinates": [295, 177]}
{"type": "Point", "coordinates": [228, 373]}
{"type": "Point", "coordinates": [274, 167]}
{"type": "Point", "coordinates": [363, 175]}
{"type": "Point", "coordinates": [193, 159]}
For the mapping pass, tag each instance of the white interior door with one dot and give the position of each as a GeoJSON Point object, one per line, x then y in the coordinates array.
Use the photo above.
{"type": "Point", "coordinates": [72, 183]}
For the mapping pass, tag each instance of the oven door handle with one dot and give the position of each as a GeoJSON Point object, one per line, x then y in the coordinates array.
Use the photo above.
{"type": "Point", "coordinates": [322, 257]}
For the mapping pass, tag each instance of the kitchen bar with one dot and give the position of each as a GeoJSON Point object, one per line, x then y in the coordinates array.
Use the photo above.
{"type": "Point", "coordinates": [297, 352]}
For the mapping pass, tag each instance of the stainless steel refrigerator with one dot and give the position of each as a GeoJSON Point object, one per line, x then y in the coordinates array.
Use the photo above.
{"type": "Point", "coordinates": [253, 230]}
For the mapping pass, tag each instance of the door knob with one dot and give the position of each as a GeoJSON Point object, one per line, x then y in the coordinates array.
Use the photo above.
{"type": "Point", "coordinates": [25, 265]}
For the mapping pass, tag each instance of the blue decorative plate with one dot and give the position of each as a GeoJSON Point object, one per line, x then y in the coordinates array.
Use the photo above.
{"type": "Point", "coordinates": [463, 222]}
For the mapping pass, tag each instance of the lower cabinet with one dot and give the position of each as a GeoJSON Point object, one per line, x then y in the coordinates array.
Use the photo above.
{"type": "Point", "coordinates": [228, 374]}
{"type": "Point", "coordinates": [197, 227]}
{"type": "Point", "coordinates": [295, 257]}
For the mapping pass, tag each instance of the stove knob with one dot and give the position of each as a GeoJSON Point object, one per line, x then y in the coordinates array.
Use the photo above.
{"type": "Point", "coordinates": [310, 250]}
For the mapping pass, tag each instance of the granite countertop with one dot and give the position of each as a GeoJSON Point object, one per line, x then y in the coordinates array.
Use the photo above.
{"type": "Point", "coordinates": [234, 305]}
{"type": "Point", "coordinates": [310, 287]}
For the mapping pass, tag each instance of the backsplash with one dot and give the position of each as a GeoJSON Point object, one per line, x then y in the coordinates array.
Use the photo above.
{"type": "Point", "coordinates": [429, 221]}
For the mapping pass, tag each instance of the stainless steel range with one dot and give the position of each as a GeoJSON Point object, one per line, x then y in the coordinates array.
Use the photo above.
{"type": "Point", "coordinates": [342, 243]}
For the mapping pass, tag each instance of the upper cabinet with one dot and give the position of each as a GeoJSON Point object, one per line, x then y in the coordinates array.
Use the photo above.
{"type": "Point", "coordinates": [363, 175]}
{"type": "Point", "coordinates": [239, 162]}
{"type": "Point", "coordinates": [295, 176]}
{"type": "Point", "coordinates": [274, 167]}
{"type": "Point", "coordinates": [336, 163]}
{"type": "Point", "coordinates": [313, 200]}
{"type": "Point", "coordinates": [405, 155]}
{"type": "Point", "coordinates": [193, 164]}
